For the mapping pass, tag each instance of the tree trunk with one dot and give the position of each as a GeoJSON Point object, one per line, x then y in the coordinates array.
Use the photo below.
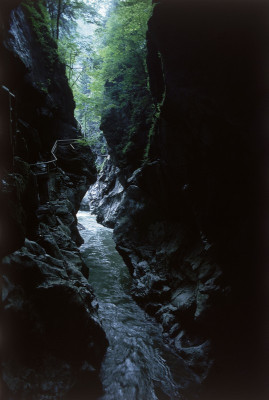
{"type": "Point", "coordinates": [59, 12]}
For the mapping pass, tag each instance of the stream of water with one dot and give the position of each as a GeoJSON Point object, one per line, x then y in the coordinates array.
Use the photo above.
{"type": "Point", "coordinates": [138, 365]}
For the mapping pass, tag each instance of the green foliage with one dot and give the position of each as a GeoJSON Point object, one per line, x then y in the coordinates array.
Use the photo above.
{"type": "Point", "coordinates": [76, 51]}
{"type": "Point", "coordinates": [88, 141]}
{"type": "Point", "coordinates": [124, 53]}
{"type": "Point", "coordinates": [106, 69]}
{"type": "Point", "coordinates": [122, 79]}
{"type": "Point", "coordinates": [101, 166]}
{"type": "Point", "coordinates": [39, 18]}
{"type": "Point", "coordinates": [65, 13]}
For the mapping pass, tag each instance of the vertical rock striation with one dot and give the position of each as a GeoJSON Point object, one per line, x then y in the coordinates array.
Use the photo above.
{"type": "Point", "coordinates": [189, 224]}
{"type": "Point", "coordinates": [104, 197]}
{"type": "Point", "coordinates": [52, 339]}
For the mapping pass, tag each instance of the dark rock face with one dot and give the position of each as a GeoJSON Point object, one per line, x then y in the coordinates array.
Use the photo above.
{"type": "Point", "coordinates": [188, 226]}
{"type": "Point", "coordinates": [42, 109]}
{"type": "Point", "coordinates": [31, 70]}
{"type": "Point", "coordinates": [105, 195]}
{"type": "Point", "coordinates": [50, 322]}
{"type": "Point", "coordinates": [52, 339]}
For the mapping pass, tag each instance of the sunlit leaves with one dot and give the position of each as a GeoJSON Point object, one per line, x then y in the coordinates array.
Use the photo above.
{"type": "Point", "coordinates": [124, 51]}
{"type": "Point", "coordinates": [106, 70]}
{"type": "Point", "coordinates": [69, 11]}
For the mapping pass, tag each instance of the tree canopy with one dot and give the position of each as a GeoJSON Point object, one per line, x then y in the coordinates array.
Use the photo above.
{"type": "Point", "coordinates": [104, 51]}
{"type": "Point", "coordinates": [120, 79]}
{"type": "Point", "coordinates": [65, 13]}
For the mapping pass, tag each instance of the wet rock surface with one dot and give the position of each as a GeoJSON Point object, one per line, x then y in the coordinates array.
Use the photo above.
{"type": "Point", "coordinates": [52, 340]}
{"type": "Point", "coordinates": [104, 196]}
{"type": "Point", "coordinates": [138, 363]}
{"type": "Point", "coordinates": [50, 314]}
{"type": "Point", "coordinates": [175, 276]}
{"type": "Point", "coordinates": [188, 223]}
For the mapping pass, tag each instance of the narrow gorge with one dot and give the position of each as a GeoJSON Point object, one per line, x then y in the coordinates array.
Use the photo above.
{"type": "Point", "coordinates": [160, 135]}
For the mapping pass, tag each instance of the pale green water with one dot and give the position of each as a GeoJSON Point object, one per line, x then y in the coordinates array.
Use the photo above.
{"type": "Point", "coordinates": [138, 365]}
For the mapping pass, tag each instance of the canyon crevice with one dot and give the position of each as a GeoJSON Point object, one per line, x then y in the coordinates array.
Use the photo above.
{"type": "Point", "coordinates": [189, 225]}
{"type": "Point", "coordinates": [52, 339]}
{"type": "Point", "coordinates": [183, 187]}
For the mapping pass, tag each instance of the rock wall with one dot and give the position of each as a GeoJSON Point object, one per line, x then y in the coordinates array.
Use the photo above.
{"type": "Point", "coordinates": [189, 226]}
{"type": "Point", "coordinates": [52, 340]}
{"type": "Point", "coordinates": [104, 197]}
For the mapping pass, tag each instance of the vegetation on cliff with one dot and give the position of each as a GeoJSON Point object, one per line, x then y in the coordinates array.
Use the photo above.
{"type": "Point", "coordinates": [126, 102]}
{"type": "Point", "coordinates": [104, 51]}
{"type": "Point", "coordinates": [39, 18]}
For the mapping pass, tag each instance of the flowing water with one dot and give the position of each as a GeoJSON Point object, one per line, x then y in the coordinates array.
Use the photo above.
{"type": "Point", "coordinates": [138, 365]}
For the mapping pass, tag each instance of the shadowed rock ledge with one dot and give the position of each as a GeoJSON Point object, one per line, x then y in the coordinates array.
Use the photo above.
{"type": "Point", "coordinates": [52, 340]}
{"type": "Point", "coordinates": [190, 225]}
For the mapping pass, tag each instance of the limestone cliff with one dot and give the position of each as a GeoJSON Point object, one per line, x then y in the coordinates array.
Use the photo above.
{"type": "Point", "coordinates": [189, 225]}
{"type": "Point", "coordinates": [52, 339]}
{"type": "Point", "coordinates": [104, 197]}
